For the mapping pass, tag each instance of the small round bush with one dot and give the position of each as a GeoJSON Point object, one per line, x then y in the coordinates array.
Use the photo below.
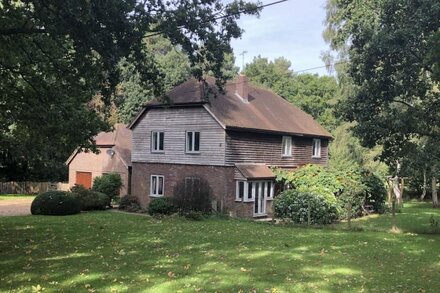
{"type": "Point", "coordinates": [55, 203]}
{"type": "Point", "coordinates": [161, 206]}
{"type": "Point", "coordinates": [90, 199]}
{"type": "Point", "coordinates": [294, 205]}
{"type": "Point", "coordinates": [129, 203]}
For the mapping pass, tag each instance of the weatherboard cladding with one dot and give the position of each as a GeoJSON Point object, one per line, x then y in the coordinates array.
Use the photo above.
{"type": "Point", "coordinates": [174, 122]}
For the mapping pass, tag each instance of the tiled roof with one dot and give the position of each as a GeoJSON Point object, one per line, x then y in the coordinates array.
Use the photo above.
{"type": "Point", "coordinates": [263, 111]}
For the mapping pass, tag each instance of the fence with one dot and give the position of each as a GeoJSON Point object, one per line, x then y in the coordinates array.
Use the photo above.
{"type": "Point", "coordinates": [27, 187]}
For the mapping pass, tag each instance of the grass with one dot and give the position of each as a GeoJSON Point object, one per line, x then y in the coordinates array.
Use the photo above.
{"type": "Point", "coordinates": [414, 217]}
{"type": "Point", "coordinates": [15, 196]}
{"type": "Point", "coordinates": [113, 252]}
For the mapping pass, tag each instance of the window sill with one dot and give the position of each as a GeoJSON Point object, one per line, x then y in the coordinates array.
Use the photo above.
{"type": "Point", "coordinates": [286, 156]}
{"type": "Point", "coordinates": [316, 157]}
{"type": "Point", "coordinates": [192, 153]}
{"type": "Point", "coordinates": [269, 198]}
{"type": "Point", "coordinates": [157, 152]}
{"type": "Point", "coordinates": [156, 195]}
{"type": "Point", "coordinates": [260, 215]}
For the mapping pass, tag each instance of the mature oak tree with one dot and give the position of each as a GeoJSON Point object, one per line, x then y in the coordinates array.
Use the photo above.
{"type": "Point", "coordinates": [56, 55]}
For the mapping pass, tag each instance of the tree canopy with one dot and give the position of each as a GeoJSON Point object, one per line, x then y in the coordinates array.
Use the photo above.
{"type": "Point", "coordinates": [390, 47]}
{"type": "Point", "coordinates": [56, 56]}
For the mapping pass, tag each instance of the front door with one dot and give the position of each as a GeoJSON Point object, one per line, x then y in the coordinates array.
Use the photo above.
{"type": "Point", "coordinates": [84, 179]}
{"type": "Point", "coordinates": [260, 198]}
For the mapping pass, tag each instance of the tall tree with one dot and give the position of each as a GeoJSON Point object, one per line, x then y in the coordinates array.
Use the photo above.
{"type": "Point", "coordinates": [55, 56]}
{"type": "Point", "coordinates": [390, 47]}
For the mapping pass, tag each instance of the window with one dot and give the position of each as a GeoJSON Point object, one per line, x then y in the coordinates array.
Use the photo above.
{"type": "Point", "coordinates": [157, 141]}
{"type": "Point", "coordinates": [156, 185]}
{"type": "Point", "coordinates": [192, 141]}
{"type": "Point", "coordinates": [316, 153]}
{"type": "Point", "coordinates": [247, 190]}
{"type": "Point", "coordinates": [241, 190]}
{"type": "Point", "coordinates": [287, 146]}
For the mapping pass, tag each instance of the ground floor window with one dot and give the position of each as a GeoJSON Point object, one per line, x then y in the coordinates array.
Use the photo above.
{"type": "Point", "coordinates": [156, 185]}
{"type": "Point", "coordinates": [249, 190]}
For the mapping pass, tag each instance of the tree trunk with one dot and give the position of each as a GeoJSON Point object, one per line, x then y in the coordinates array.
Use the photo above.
{"type": "Point", "coordinates": [422, 197]}
{"type": "Point", "coordinates": [434, 191]}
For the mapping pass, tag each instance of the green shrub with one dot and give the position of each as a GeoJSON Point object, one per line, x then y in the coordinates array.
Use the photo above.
{"type": "Point", "coordinates": [109, 184]}
{"type": "Point", "coordinates": [194, 215]}
{"type": "Point", "coordinates": [161, 206]}
{"type": "Point", "coordinates": [55, 203]}
{"type": "Point", "coordinates": [294, 205]}
{"type": "Point", "coordinates": [90, 199]}
{"type": "Point", "coordinates": [129, 203]}
{"type": "Point", "coordinates": [193, 194]}
{"type": "Point", "coordinates": [375, 191]}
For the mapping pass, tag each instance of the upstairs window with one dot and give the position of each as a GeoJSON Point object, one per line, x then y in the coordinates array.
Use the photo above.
{"type": "Point", "coordinates": [287, 146]}
{"type": "Point", "coordinates": [156, 185]}
{"type": "Point", "coordinates": [192, 141]}
{"type": "Point", "coordinates": [157, 141]}
{"type": "Point", "coordinates": [316, 153]}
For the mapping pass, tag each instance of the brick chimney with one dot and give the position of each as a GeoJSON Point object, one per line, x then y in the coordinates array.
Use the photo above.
{"type": "Point", "coordinates": [242, 88]}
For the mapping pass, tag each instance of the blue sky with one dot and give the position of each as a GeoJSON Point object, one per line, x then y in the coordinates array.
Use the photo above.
{"type": "Point", "coordinates": [291, 29]}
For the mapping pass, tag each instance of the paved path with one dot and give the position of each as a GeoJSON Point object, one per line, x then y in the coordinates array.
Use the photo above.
{"type": "Point", "coordinates": [15, 207]}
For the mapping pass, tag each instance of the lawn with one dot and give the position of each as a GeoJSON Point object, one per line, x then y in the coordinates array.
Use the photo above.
{"type": "Point", "coordinates": [112, 252]}
{"type": "Point", "coordinates": [414, 217]}
{"type": "Point", "coordinates": [16, 196]}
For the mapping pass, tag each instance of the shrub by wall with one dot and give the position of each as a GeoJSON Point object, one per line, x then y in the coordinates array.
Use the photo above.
{"type": "Point", "coordinates": [129, 203]}
{"type": "Point", "coordinates": [90, 199]}
{"type": "Point", "coordinates": [109, 184]}
{"type": "Point", "coordinates": [294, 205]}
{"type": "Point", "coordinates": [161, 206]}
{"type": "Point", "coordinates": [193, 194]}
{"type": "Point", "coordinates": [55, 203]}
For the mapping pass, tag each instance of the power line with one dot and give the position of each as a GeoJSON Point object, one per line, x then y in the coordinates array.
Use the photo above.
{"type": "Point", "coordinates": [318, 67]}
{"type": "Point", "coordinates": [228, 15]}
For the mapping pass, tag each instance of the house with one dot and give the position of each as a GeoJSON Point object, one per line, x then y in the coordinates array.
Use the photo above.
{"type": "Point", "coordinates": [114, 156]}
{"type": "Point", "coordinates": [231, 139]}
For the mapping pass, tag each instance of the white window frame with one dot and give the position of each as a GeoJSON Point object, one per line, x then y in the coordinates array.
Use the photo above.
{"type": "Point", "coordinates": [251, 184]}
{"type": "Point", "coordinates": [193, 140]}
{"type": "Point", "coordinates": [286, 145]}
{"type": "Point", "coordinates": [316, 148]}
{"type": "Point", "coordinates": [155, 142]}
{"type": "Point", "coordinates": [237, 190]}
{"type": "Point", "coordinates": [154, 190]}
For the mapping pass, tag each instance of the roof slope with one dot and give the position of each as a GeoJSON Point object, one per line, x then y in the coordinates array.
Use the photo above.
{"type": "Point", "coordinates": [265, 111]}
{"type": "Point", "coordinates": [119, 139]}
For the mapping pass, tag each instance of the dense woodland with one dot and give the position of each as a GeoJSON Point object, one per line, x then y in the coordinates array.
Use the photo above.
{"type": "Point", "coordinates": [73, 69]}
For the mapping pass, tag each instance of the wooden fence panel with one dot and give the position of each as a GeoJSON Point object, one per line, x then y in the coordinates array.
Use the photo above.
{"type": "Point", "coordinates": [27, 187]}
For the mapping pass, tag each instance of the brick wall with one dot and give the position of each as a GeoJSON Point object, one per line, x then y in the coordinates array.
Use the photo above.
{"type": "Point", "coordinates": [220, 178]}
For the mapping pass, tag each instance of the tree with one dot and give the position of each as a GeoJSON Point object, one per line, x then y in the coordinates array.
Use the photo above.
{"type": "Point", "coordinates": [56, 56]}
{"type": "Point", "coordinates": [314, 94]}
{"type": "Point", "coordinates": [390, 47]}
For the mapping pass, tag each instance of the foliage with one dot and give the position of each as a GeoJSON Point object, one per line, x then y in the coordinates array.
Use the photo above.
{"type": "Point", "coordinates": [375, 191]}
{"type": "Point", "coordinates": [90, 199]}
{"type": "Point", "coordinates": [342, 187]}
{"type": "Point", "coordinates": [109, 184]}
{"type": "Point", "coordinates": [314, 94]}
{"type": "Point", "coordinates": [262, 256]}
{"type": "Point", "coordinates": [193, 194]}
{"type": "Point", "coordinates": [161, 206]}
{"type": "Point", "coordinates": [294, 205]}
{"type": "Point", "coordinates": [313, 179]}
{"type": "Point", "coordinates": [56, 57]}
{"type": "Point", "coordinates": [129, 203]}
{"type": "Point", "coordinates": [55, 203]}
{"type": "Point", "coordinates": [193, 215]}
{"type": "Point", "coordinates": [395, 96]}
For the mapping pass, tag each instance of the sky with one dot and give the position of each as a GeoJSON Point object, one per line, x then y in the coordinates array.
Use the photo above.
{"type": "Point", "coordinates": [291, 29]}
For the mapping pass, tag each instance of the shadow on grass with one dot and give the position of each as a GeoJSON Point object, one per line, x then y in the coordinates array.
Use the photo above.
{"type": "Point", "coordinates": [105, 251]}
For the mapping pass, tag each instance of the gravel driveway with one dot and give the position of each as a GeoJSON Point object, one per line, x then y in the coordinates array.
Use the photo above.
{"type": "Point", "coordinates": [15, 207]}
